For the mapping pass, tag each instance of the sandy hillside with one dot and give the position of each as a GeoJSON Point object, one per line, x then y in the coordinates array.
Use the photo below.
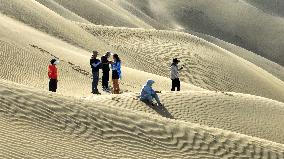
{"type": "Point", "coordinates": [238, 22]}
{"type": "Point", "coordinates": [271, 7]}
{"type": "Point", "coordinates": [206, 65]}
{"type": "Point", "coordinates": [103, 12]}
{"type": "Point", "coordinates": [252, 31]}
{"type": "Point", "coordinates": [31, 53]}
{"type": "Point", "coordinates": [59, 127]}
{"type": "Point", "coordinates": [246, 114]}
{"type": "Point", "coordinates": [231, 103]}
{"type": "Point", "coordinates": [38, 16]}
{"type": "Point", "coordinates": [269, 66]}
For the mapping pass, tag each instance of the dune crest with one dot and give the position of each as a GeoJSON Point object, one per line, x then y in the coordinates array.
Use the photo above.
{"type": "Point", "coordinates": [99, 131]}
{"type": "Point", "coordinates": [231, 99]}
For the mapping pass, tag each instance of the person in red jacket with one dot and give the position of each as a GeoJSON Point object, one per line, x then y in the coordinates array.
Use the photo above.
{"type": "Point", "coordinates": [53, 74]}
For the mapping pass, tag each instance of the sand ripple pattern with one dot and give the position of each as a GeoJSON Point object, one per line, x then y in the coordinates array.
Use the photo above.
{"type": "Point", "coordinates": [71, 129]}
{"type": "Point", "coordinates": [206, 65]}
{"type": "Point", "coordinates": [29, 66]}
{"type": "Point", "coordinates": [245, 114]}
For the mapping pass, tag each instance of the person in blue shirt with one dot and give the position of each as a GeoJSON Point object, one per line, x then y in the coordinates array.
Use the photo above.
{"type": "Point", "coordinates": [116, 73]}
{"type": "Point", "coordinates": [148, 94]}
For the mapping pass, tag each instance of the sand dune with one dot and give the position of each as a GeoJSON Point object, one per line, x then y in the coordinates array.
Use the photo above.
{"type": "Point", "coordinates": [220, 19]}
{"type": "Point", "coordinates": [213, 117]}
{"type": "Point", "coordinates": [103, 12]}
{"type": "Point", "coordinates": [31, 53]}
{"type": "Point", "coordinates": [43, 19]}
{"type": "Point", "coordinates": [54, 6]}
{"type": "Point", "coordinates": [237, 22]}
{"type": "Point", "coordinates": [245, 114]}
{"type": "Point", "coordinates": [269, 66]}
{"type": "Point", "coordinates": [207, 66]}
{"type": "Point", "coordinates": [64, 128]}
{"type": "Point", "coordinates": [271, 7]}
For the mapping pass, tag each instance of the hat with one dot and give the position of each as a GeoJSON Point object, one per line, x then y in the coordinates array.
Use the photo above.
{"type": "Point", "coordinates": [175, 60]}
{"type": "Point", "coordinates": [53, 61]}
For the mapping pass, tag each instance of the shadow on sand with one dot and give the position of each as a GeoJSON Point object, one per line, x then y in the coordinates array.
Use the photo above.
{"type": "Point", "coordinates": [162, 110]}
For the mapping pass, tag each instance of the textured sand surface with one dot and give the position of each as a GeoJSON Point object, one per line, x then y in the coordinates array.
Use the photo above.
{"type": "Point", "coordinates": [246, 114]}
{"type": "Point", "coordinates": [236, 21]}
{"type": "Point", "coordinates": [57, 127]}
{"type": "Point", "coordinates": [269, 66]}
{"type": "Point", "coordinates": [231, 103]}
{"type": "Point", "coordinates": [206, 65]}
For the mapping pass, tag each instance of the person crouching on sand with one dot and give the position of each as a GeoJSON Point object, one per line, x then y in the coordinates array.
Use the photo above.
{"type": "Point", "coordinates": [148, 94]}
{"type": "Point", "coordinates": [116, 73]}
{"type": "Point", "coordinates": [175, 75]}
{"type": "Point", "coordinates": [95, 65]}
{"type": "Point", "coordinates": [53, 74]}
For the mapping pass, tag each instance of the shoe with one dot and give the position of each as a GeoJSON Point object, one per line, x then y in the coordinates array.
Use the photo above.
{"type": "Point", "coordinates": [96, 92]}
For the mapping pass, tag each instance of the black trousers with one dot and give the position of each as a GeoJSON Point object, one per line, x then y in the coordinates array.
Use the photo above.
{"type": "Point", "coordinates": [175, 84]}
{"type": "Point", "coordinates": [52, 85]}
{"type": "Point", "coordinates": [105, 79]}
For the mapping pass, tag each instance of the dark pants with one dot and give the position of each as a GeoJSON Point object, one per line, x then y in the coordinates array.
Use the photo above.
{"type": "Point", "coordinates": [52, 85]}
{"type": "Point", "coordinates": [95, 81]}
{"type": "Point", "coordinates": [175, 84]}
{"type": "Point", "coordinates": [105, 79]}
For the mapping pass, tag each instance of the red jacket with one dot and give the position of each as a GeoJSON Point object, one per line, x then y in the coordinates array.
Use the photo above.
{"type": "Point", "coordinates": [52, 72]}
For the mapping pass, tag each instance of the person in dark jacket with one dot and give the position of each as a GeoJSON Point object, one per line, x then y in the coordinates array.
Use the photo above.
{"type": "Point", "coordinates": [53, 75]}
{"type": "Point", "coordinates": [106, 70]}
{"type": "Point", "coordinates": [175, 75]}
{"type": "Point", "coordinates": [95, 65]}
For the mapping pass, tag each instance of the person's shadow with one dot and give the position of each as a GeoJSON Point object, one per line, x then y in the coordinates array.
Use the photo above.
{"type": "Point", "coordinates": [162, 110]}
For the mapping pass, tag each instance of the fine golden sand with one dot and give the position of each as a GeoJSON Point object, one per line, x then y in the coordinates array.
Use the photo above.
{"type": "Point", "coordinates": [231, 103]}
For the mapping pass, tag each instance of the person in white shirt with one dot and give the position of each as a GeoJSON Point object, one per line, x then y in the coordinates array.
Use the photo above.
{"type": "Point", "coordinates": [175, 75]}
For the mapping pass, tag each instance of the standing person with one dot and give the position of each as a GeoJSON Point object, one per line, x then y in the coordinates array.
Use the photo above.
{"type": "Point", "coordinates": [53, 74]}
{"type": "Point", "coordinates": [106, 69]}
{"type": "Point", "coordinates": [175, 75]}
{"type": "Point", "coordinates": [116, 73]}
{"type": "Point", "coordinates": [95, 65]}
{"type": "Point", "coordinates": [148, 94]}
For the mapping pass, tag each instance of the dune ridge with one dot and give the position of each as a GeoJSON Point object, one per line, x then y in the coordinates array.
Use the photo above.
{"type": "Point", "coordinates": [151, 50]}
{"type": "Point", "coordinates": [99, 128]}
{"type": "Point", "coordinates": [38, 16]}
{"type": "Point", "coordinates": [231, 103]}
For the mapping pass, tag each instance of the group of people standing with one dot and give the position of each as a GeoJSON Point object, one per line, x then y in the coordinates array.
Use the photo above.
{"type": "Point", "coordinates": [147, 95]}
{"type": "Point", "coordinates": [105, 64]}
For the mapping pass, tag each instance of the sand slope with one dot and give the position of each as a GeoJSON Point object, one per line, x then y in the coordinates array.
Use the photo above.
{"type": "Point", "coordinates": [43, 19]}
{"type": "Point", "coordinates": [270, 7]}
{"type": "Point", "coordinates": [269, 66]}
{"type": "Point", "coordinates": [103, 12]}
{"type": "Point", "coordinates": [206, 65]}
{"type": "Point", "coordinates": [25, 61]}
{"type": "Point", "coordinates": [195, 123]}
{"type": "Point", "coordinates": [246, 114]}
{"type": "Point", "coordinates": [237, 22]}
{"type": "Point", "coordinates": [54, 6]}
{"type": "Point", "coordinates": [63, 128]}
{"type": "Point", "coordinates": [256, 31]}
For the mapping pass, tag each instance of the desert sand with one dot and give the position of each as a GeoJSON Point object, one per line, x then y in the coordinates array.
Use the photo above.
{"type": "Point", "coordinates": [231, 103]}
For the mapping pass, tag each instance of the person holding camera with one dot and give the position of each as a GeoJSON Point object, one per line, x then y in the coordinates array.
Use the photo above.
{"type": "Point", "coordinates": [175, 75]}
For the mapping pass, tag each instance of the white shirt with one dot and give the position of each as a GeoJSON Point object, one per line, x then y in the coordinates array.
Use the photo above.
{"type": "Point", "coordinates": [174, 72]}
